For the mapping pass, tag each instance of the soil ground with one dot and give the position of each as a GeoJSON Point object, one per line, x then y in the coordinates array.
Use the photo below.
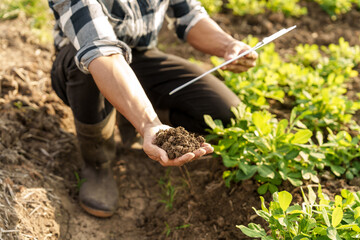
{"type": "Point", "coordinates": [39, 159]}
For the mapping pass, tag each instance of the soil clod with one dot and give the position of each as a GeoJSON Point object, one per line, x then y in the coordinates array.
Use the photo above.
{"type": "Point", "coordinates": [177, 141]}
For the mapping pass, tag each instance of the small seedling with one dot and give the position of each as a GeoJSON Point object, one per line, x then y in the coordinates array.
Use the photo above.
{"type": "Point", "coordinates": [79, 181]}
{"type": "Point", "coordinates": [168, 191]}
{"type": "Point", "coordinates": [18, 104]}
{"type": "Point", "coordinates": [169, 229]}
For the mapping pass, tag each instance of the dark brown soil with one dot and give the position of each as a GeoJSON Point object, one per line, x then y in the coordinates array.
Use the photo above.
{"type": "Point", "coordinates": [177, 141]}
{"type": "Point", "coordinates": [39, 155]}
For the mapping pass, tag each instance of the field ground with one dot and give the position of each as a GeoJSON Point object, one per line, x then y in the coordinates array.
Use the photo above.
{"type": "Point", "coordinates": [38, 153]}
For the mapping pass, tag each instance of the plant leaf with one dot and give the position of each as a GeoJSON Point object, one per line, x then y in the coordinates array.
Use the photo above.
{"type": "Point", "coordinates": [337, 170]}
{"type": "Point", "coordinates": [209, 121]}
{"type": "Point", "coordinates": [263, 189]}
{"type": "Point", "coordinates": [285, 199]}
{"type": "Point", "coordinates": [295, 182]}
{"type": "Point", "coordinates": [266, 171]}
{"type": "Point", "coordinates": [272, 188]}
{"type": "Point", "coordinates": [261, 121]}
{"type": "Point", "coordinates": [337, 216]}
{"type": "Point", "coordinates": [302, 136]}
{"type": "Point", "coordinates": [326, 217]}
{"type": "Point", "coordinates": [254, 230]}
{"type": "Point", "coordinates": [319, 137]}
{"type": "Point", "coordinates": [281, 127]}
{"type": "Point", "coordinates": [332, 233]}
{"type": "Point", "coordinates": [312, 195]}
{"type": "Point", "coordinates": [356, 213]}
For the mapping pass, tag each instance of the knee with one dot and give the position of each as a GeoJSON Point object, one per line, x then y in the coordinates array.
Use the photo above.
{"type": "Point", "coordinates": [223, 111]}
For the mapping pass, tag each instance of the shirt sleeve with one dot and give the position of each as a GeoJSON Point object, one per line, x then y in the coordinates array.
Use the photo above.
{"type": "Point", "coordinates": [84, 23]}
{"type": "Point", "coordinates": [185, 14]}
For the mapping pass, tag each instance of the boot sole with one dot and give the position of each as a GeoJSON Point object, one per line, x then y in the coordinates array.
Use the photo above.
{"type": "Point", "coordinates": [96, 212]}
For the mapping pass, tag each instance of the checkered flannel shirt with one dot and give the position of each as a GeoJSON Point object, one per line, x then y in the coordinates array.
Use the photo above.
{"type": "Point", "coordinates": [104, 27]}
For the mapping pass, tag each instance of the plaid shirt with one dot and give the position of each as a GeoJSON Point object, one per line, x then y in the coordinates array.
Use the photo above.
{"type": "Point", "coordinates": [104, 27]}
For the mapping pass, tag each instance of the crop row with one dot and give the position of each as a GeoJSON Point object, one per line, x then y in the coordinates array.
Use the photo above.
{"type": "Point", "coordinates": [319, 134]}
{"type": "Point", "coordinates": [317, 218]}
{"type": "Point", "coordinates": [288, 7]}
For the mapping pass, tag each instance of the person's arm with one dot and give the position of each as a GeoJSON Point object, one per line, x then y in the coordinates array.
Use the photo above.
{"type": "Point", "coordinates": [207, 36]}
{"type": "Point", "coordinates": [120, 86]}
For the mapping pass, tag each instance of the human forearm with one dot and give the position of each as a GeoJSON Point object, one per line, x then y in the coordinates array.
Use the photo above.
{"type": "Point", "coordinates": [206, 36]}
{"type": "Point", "coordinates": [119, 85]}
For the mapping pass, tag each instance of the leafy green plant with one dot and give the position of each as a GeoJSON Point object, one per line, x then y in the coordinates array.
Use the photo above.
{"type": "Point", "coordinates": [315, 81]}
{"type": "Point", "coordinates": [244, 7]}
{"type": "Point", "coordinates": [258, 145]}
{"type": "Point", "coordinates": [335, 7]}
{"type": "Point", "coordinates": [37, 11]}
{"type": "Point", "coordinates": [212, 6]}
{"type": "Point", "coordinates": [317, 218]}
{"type": "Point", "coordinates": [168, 191]}
{"type": "Point", "coordinates": [315, 78]}
{"type": "Point", "coordinates": [253, 7]}
{"type": "Point", "coordinates": [289, 8]}
{"type": "Point", "coordinates": [341, 152]}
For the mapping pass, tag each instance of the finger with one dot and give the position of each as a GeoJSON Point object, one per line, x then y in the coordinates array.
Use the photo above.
{"type": "Point", "coordinates": [236, 68]}
{"type": "Point", "coordinates": [199, 152]}
{"type": "Point", "coordinates": [253, 55]}
{"type": "Point", "coordinates": [208, 148]}
{"type": "Point", "coordinates": [244, 62]}
{"type": "Point", "coordinates": [179, 161]}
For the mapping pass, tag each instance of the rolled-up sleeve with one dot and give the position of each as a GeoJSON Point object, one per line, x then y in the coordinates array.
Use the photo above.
{"type": "Point", "coordinates": [185, 13]}
{"type": "Point", "coordinates": [84, 23]}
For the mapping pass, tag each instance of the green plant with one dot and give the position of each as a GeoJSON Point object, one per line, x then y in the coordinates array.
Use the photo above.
{"type": "Point", "coordinates": [258, 145]}
{"type": "Point", "coordinates": [212, 6]}
{"type": "Point", "coordinates": [18, 104]}
{"type": "Point", "coordinates": [341, 152]}
{"type": "Point", "coordinates": [253, 7]}
{"type": "Point", "coordinates": [315, 78]}
{"type": "Point", "coordinates": [289, 8]}
{"type": "Point", "coordinates": [37, 11]}
{"type": "Point", "coordinates": [244, 7]}
{"type": "Point", "coordinates": [79, 181]}
{"type": "Point", "coordinates": [168, 191]}
{"type": "Point", "coordinates": [169, 229]}
{"type": "Point", "coordinates": [335, 7]}
{"type": "Point", "coordinates": [318, 217]}
{"type": "Point", "coordinates": [315, 81]}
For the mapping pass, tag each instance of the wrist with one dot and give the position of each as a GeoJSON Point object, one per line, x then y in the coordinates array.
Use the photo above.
{"type": "Point", "coordinates": [151, 120]}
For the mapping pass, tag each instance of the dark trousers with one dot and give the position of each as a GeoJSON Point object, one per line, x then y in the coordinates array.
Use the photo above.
{"type": "Point", "coordinates": [158, 73]}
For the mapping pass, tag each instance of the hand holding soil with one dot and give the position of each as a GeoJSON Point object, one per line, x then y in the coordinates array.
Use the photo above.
{"type": "Point", "coordinates": [178, 143]}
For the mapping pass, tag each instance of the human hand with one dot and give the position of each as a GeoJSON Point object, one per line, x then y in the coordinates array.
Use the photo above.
{"type": "Point", "coordinates": [242, 64]}
{"type": "Point", "coordinates": [158, 154]}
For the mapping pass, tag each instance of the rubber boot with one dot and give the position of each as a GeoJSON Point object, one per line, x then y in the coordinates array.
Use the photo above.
{"type": "Point", "coordinates": [99, 193]}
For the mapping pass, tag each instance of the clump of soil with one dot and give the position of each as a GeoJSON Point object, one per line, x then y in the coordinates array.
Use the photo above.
{"type": "Point", "coordinates": [177, 141]}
